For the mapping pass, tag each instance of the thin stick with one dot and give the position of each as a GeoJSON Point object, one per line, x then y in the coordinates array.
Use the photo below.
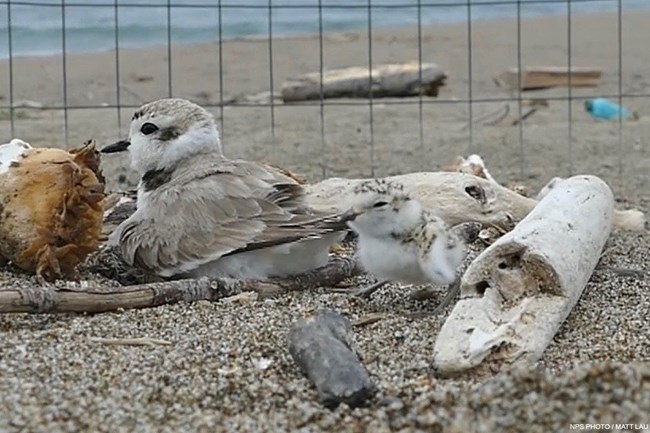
{"type": "Point", "coordinates": [524, 116]}
{"type": "Point", "coordinates": [47, 300]}
{"type": "Point", "coordinates": [143, 341]}
{"type": "Point", "coordinates": [624, 272]}
{"type": "Point", "coordinates": [504, 113]}
{"type": "Point", "coordinates": [369, 319]}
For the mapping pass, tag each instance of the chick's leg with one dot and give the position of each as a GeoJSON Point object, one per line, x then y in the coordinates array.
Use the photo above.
{"type": "Point", "coordinates": [364, 292]}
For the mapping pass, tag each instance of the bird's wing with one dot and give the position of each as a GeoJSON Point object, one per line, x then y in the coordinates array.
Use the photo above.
{"type": "Point", "coordinates": [433, 230]}
{"type": "Point", "coordinates": [220, 209]}
{"type": "Point", "coordinates": [444, 253]}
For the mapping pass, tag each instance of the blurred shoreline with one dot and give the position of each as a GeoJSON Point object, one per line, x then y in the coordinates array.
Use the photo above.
{"type": "Point", "coordinates": [290, 134]}
{"type": "Point", "coordinates": [143, 67]}
{"type": "Point", "coordinates": [38, 29]}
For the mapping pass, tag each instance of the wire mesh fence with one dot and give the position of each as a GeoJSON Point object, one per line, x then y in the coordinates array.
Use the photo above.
{"type": "Point", "coordinates": [246, 49]}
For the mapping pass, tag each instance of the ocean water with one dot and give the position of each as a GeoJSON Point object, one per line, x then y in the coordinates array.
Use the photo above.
{"type": "Point", "coordinates": [35, 27]}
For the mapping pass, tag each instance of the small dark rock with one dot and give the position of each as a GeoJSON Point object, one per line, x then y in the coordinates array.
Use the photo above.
{"type": "Point", "coordinates": [324, 349]}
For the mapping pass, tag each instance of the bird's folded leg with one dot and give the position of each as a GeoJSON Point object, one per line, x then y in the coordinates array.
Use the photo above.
{"type": "Point", "coordinates": [452, 291]}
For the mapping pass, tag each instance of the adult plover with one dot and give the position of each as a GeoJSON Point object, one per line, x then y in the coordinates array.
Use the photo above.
{"type": "Point", "coordinates": [202, 214]}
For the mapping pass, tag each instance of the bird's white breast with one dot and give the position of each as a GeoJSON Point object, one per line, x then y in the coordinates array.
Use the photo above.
{"type": "Point", "coordinates": [389, 259]}
{"type": "Point", "coordinates": [441, 263]}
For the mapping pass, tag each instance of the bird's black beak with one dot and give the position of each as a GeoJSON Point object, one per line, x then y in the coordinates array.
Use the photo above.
{"type": "Point", "coordinates": [119, 146]}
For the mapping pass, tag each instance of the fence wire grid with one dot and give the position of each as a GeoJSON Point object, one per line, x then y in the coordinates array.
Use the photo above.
{"type": "Point", "coordinates": [471, 11]}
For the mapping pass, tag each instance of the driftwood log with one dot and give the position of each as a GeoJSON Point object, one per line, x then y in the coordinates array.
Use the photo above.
{"type": "Point", "coordinates": [323, 347]}
{"type": "Point", "coordinates": [50, 300]}
{"type": "Point", "coordinates": [516, 293]}
{"type": "Point", "coordinates": [629, 219]}
{"type": "Point", "coordinates": [395, 80]}
{"type": "Point", "coordinates": [456, 198]}
{"type": "Point", "coordinates": [542, 77]}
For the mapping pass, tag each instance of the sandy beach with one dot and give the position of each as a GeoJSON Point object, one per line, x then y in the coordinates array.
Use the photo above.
{"type": "Point", "coordinates": [91, 81]}
{"type": "Point", "coordinates": [54, 377]}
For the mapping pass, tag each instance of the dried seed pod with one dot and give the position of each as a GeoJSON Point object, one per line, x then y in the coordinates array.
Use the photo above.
{"type": "Point", "coordinates": [51, 207]}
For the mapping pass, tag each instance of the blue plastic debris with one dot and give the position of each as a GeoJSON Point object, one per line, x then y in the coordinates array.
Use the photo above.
{"type": "Point", "coordinates": [601, 108]}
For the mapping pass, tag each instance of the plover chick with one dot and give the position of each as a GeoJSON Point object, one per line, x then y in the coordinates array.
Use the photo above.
{"type": "Point", "coordinates": [398, 240]}
{"type": "Point", "coordinates": [199, 213]}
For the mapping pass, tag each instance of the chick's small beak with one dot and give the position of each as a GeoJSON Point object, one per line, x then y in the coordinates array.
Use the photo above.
{"type": "Point", "coordinates": [351, 214]}
{"type": "Point", "coordinates": [355, 212]}
{"type": "Point", "coordinates": [119, 146]}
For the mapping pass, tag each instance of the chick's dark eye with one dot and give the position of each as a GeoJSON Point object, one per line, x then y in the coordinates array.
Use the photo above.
{"type": "Point", "coordinates": [380, 204]}
{"type": "Point", "coordinates": [148, 128]}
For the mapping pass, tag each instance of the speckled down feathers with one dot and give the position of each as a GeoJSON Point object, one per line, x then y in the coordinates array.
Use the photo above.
{"type": "Point", "coordinates": [399, 240]}
{"type": "Point", "coordinates": [425, 233]}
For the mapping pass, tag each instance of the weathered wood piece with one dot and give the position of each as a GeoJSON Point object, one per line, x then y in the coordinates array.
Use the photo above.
{"type": "Point", "coordinates": [542, 77]}
{"type": "Point", "coordinates": [455, 197]}
{"type": "Point", "coordinates": [516, 294]}
{"type": "Point", "coordinates": [628, 219]}
{"type": "Point", "coordinates": [395, 80]}
{"type": "Point", "coordinates": [323, 347]}
{"type": "Point", "coordinates": [49, 300]}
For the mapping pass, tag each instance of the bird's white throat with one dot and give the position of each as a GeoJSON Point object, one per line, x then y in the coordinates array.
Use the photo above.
{"type": "Point", "coordinates": [150, 154]}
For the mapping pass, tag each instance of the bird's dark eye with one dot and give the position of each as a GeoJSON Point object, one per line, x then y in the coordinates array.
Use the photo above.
{"type": "Point", "coordinates": [148, 128]}
{"type": "Point", "coordinates": [380, 204]}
